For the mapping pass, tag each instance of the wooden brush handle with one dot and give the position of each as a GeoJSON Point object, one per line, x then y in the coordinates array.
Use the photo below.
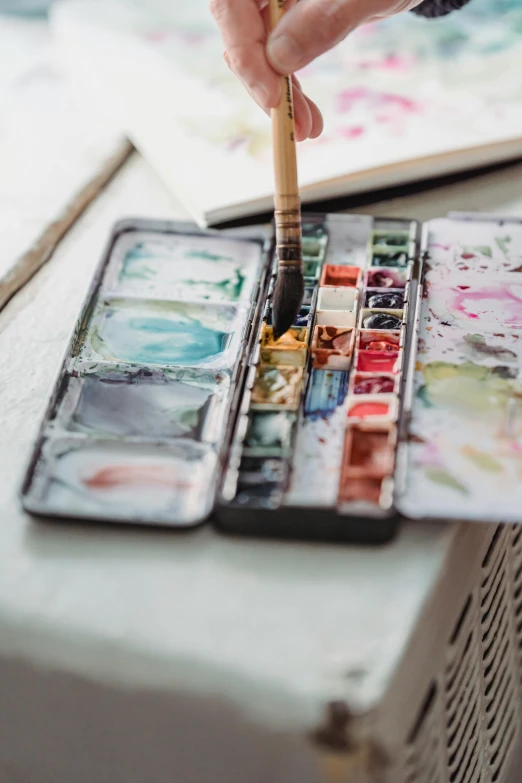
{"type": "Point", "coordinates": [286, 199]}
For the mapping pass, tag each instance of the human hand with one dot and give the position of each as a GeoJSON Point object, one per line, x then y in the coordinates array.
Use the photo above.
{"type": "Point", "coordinates": [308, 29]}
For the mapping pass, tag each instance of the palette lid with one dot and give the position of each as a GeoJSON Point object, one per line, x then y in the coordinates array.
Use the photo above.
{"type": "Point", "coordinates": [462, 454]}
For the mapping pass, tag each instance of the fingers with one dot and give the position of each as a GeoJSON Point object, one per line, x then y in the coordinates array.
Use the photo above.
{"type": "Point", "coordinates": [313, 27]}
{"type": "Point", "coordinates": [243, 25]}
{"type": "Point", "coordinates": [308, 118]}
{"type": "Point", "coordinates": [244, 35]}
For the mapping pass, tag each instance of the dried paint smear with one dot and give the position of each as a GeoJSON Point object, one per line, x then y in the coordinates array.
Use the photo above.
{"type": "Point", "coordinates": [142, 483]}
{"type": "Point", "coordinates": [465, 450]}
{"type": "Point", "coordinates": [184, 267]}
{"type": "Point", "coordinates": [161, 404]}
{"type": "Point", "coordinates": [157, 333]}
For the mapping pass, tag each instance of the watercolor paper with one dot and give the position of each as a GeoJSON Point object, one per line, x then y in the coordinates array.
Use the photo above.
{"type": "Point", "coordinates": [158, 333]}
{"type": "Point", "coordinates": [403, 98]}
{"type": "Point", "coordinates": [184, 267]}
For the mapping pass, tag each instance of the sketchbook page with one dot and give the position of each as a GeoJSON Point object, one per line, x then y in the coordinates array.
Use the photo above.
{"type": "Point", "coordinates": [394, 92]}
{"type": "Point", "coordinates": [464, 456]}
{"type": "Point", "coordinates": [51, 150]}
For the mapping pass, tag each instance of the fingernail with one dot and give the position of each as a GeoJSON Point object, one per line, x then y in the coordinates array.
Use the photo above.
{"type": "Point", "coordinates": [284, 54]}
{"type": "Point", "coordinates": [260, 94]}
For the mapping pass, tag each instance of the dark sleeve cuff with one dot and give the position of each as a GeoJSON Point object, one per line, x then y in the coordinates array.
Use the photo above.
{"type": "Point", "coordinates": [433, 8]}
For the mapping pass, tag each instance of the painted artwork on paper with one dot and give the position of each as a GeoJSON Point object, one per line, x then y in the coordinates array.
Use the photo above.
{"type": "Point", "coordinates": [395, 91]}
{"type": "Point", "coordinates": [465, 449]}
{"type": "Point", "coordinates": [393, 79]}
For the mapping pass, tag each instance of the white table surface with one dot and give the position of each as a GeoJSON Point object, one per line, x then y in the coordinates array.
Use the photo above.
{"type": "Point", "coordinates": [276, 630]}
{"type": "Point", "coordinates": [55, 152]}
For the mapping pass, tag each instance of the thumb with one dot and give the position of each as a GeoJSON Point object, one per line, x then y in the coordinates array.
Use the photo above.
{"type": "Point", "coordinates": [313, 27]}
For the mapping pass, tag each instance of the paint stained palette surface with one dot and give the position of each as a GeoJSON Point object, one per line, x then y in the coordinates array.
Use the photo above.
{"type": "Point", "coordinates": [397, 392]}
{"type": "Point", "coordinates": [464, 456]}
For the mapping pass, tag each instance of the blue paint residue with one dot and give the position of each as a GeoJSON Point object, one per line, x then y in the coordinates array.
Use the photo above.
{"type": "Point", "coordinates": [157, 340]}
{"type": "Point", "coordinates": [327, 389]}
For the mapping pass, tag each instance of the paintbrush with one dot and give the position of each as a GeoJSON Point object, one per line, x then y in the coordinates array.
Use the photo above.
{"type": "Point", "coordinates": [289, 289]}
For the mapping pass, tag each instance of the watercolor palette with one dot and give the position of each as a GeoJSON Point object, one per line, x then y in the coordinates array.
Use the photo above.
{"type": "Point", "coordinates": [137, 427]}
{"type": "Point", "coordinates": [397, 392]}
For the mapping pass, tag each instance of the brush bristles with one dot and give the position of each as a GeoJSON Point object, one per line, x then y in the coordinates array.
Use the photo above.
{"type": "Point", "coordinates": [288, 298]}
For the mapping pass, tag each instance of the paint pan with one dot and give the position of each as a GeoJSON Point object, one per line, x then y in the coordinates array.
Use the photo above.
{"type": "Point", "coordinates": [390, 241]}
{"type": "Point", "coordinates": [384, 299]}
{"type": "Point", "coordinates": [368, 452]}
{"type": "Point", "coordinates": [277, 388]}
{"type": "Point", "coordinates": [311, 269]}
{"type": "Point", "coordinates": [261, 483]}
{"type": "Point", "coordinates": [338, 276]}
{"type": "Point", "coordinates": [290, 350]}
{"type": "Point", "coordinates": [361, 491]}
{"type": "Point", "coordinates": [394, 259]}
{"type": "Point", "coordinates": [337, 318]}
{"type": "Point", "coordinates": [381, 319]}
{"type": "Point", "coordinates": [165, 334]}
{"type": "Point", "coordinates": [269, 434]}
{"type": "Point", "coordinates": [183, 267]}
{"type": "Point", "coordinates": [341, 298]}
{"type": "Point", "coordinates": [327, 391]}
{"type": "Point", "coordinates": [373, 409]}
{"type": "Point", "coordinates": [162, 404]}
{"type": "Point", "coordinates": [138, 483]}
{"type": "Point", "coordinates": [385, 278]}
{"type": "Point", "coordinates": [378, 362]}
{"type": "Point", "coordinates": [332, 347]}
{"type": "Point", "coordinates": [308, 296]}
{"type": "Point", "coordinates": [371, 384]}
{"type": "Point", "coordinates": [302, 321]}
{"type": "Point", "coordinates": [314, 247]}
{"type": "Point", "coordinates": [379, 340]}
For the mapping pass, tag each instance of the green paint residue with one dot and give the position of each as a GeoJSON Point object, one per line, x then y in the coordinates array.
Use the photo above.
{"type": "Point", "coordinates": [423, 395]}
{"type": "Point", "coordinates": [485, 250]}
{"type": "Point", "coordinates": [482, 460]}
{"type": "Point", "coordinates": [204, 255]}
{"type": "Point", "coordinates": [478, 346]}
{"type": "Point", "coordinates": [230, 289]}
{"type": "Point", "coordinates": [446, 479]}
{"type": "Point", "coordinates": [137, 269]}
{"type": "Point", "coordinates": [502, 244]}
{"type": "Point", "coordinates": [467, 389]}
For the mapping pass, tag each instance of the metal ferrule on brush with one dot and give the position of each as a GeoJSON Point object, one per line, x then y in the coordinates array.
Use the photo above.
{"type": "Point", "coordinates": [288, 232]}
